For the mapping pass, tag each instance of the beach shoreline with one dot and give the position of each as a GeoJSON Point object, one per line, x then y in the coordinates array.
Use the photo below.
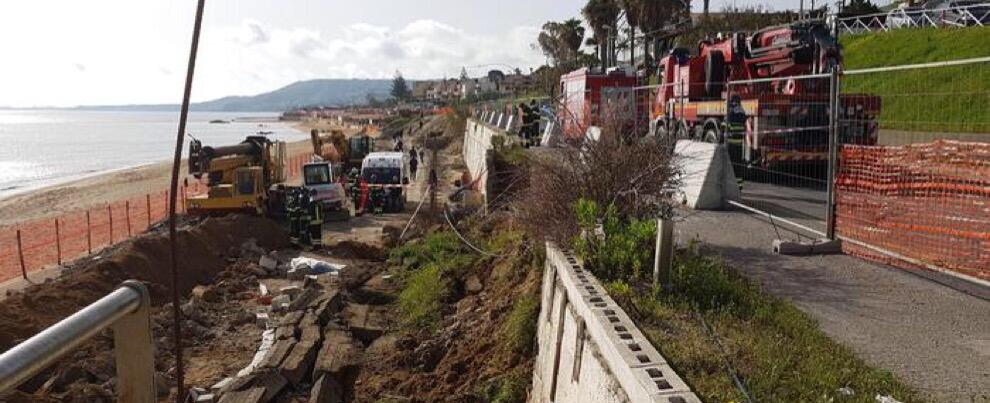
{"type": "Point", "coordinates": [99, 188]}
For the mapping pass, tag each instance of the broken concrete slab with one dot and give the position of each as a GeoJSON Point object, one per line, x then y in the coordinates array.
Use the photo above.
{"type": "Point", "coordinates": [273, 382]}
{"type": "Point", "coordinates": [278, 353]}
{"type": "Point", "coordinates": [291, 318]}
{"type": "Point", "coordinates": [340, 353]}
{"type": "Point", "coordinates": [326, 390]}
{"type": "Point", "coordinates": [285, 332]}
{"type": "Point", "coordinates": [296, 366]}
{"type": "Point", "coordinates": [253, 395]}
{"type": "Point", "coordinates": [329, 303]}
{"type": "Point", "coordinates": [304, 298]}
{"type": "Point", "coordinates": [367, 322]}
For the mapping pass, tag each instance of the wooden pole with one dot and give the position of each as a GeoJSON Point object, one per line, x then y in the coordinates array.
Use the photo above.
{"type": "Point", "coordinates": [89, 235]}
{"type": "Point", "coordinates": [58, 244]}
{"type": "Point", "coordinates": [20, 255]}
{"type": "Point", "coordinates": [148, 201]}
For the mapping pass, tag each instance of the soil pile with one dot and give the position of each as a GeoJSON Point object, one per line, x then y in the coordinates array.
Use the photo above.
{"type": "Point", "coordinates": [207, 248]}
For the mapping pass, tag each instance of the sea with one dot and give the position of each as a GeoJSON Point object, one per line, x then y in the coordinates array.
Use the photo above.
{"type": "Point", "coordinates": [41, 148]}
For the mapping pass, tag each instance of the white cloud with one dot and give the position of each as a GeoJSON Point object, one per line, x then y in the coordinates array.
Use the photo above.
{"type": "Point", "coordinates": [421, 49]}
{"type": "Point", "coordinates": [244, 57]}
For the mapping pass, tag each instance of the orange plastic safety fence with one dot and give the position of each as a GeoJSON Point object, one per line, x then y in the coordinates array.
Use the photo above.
{"type": "Point", "coordinates": [929, 202]}
{"type": "Point", "coordinates": [44, 243]}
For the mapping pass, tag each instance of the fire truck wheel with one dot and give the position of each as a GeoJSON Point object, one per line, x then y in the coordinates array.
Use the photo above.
{"type": "Point", "coordinates": [711, 134]}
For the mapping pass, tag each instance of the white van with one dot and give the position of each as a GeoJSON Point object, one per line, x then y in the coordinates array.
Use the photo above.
{"type": "Point", "coordinates": [388, 171]}
{"type": "Point", "coordinates": [319, 178]}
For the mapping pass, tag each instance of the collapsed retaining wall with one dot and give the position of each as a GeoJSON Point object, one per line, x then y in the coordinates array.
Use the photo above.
{"type": "Point", "coordinates": [589, 349]}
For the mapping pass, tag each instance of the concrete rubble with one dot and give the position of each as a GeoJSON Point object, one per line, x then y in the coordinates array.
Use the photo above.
{"type": "Point", "coordinates": [302, 345]}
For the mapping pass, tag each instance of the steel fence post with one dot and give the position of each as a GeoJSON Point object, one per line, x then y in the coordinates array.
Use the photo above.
{"type": "Point", "coordinates": [58, 244]}
{"type": "Point", "coordinates": [147, 200]}
{"type": "Point", "coordinates": [20, 255]}
{"type": "Point", "coordinates": [89, 234]}
{"type": "Point", "coordinates": [134, 351]}
{"type": "Point", "coordinates": [110, 214]}
{"type": "Point", "coordinates": [833, 152]}
{"type": "Point", "coordinates": [127, 216]}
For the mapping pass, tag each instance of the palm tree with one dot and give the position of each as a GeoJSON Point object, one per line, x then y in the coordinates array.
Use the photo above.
{"type": "Point", "coordinates": [656, 15]}
{"type": "Point", "coordinates": [600, 14]}
{"type": "Point", "coordinates": [633, 9]}
{"type": "Point", "coordinates": [561, 41]}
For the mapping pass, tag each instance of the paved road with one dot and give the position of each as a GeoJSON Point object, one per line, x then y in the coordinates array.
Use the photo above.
{"type": "Point", "coordinates": [934, 337]}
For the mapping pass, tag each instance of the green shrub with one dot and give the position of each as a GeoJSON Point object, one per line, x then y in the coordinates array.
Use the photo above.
{"type": "Point", "coordinates": [626, 250]}
{"type": "Point", "coordinates": [520, 327]}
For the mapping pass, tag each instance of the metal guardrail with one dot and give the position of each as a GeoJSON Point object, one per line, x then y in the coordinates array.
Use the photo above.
{"type": "Point", "coordinates": [958, 16]}
{"type": "Point", "coordinates": [127, 311]}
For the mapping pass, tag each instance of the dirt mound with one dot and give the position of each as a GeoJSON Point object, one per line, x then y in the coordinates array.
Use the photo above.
{"type": "Point", "coordinates": [203, 250]}
{"type": "Point", "coordinates": [348, 249]}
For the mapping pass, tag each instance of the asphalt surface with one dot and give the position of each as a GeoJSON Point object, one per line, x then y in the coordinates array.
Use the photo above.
{"type": "Point", "coordinates": [933, 336]}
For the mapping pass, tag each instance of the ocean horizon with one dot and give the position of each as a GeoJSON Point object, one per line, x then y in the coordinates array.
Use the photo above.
{"type": "Point", "coordinates": [44, 147]}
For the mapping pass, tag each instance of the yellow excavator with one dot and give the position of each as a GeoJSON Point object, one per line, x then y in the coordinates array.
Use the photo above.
{"type": "Point", "coordinates": [240, 176]}
{"type": "Point", "coordinates": [343, 152]}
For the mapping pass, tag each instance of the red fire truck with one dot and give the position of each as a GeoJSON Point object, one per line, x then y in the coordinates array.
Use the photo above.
{"type": "Point", "coordinates": [588, 95]}
{"type": "Point", "coordinates": [775, 107]}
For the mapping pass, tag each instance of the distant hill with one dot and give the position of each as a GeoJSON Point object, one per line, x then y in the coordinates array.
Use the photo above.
{"type": "Point", "coordinates": [323, 92]}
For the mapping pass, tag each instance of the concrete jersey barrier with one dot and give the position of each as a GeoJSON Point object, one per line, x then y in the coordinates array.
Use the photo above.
{"type": "Point", "coordinates": [589, 349]}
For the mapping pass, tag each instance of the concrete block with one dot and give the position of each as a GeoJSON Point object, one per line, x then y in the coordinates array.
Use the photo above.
{"type": "Point", "coordinates": [262, 320]}
{"type": "Point", "coordinates": [268, 263]}
{"type": "Point", "coordinates": [205, 398]}
{"type": "Point", "coordinates": [279, 303]}
{"type": "Point", "coordinates": [330, 303]}
{"type": "Point", "coordinates": [811, 247]}
{"type": "Point", "coordinates": [292, 291]}
{"type": "Point", "coordinates": [253, 395]}
{"type": "Point", "coordinates": [326, 390]}
{"type": "Point", "coordinates": [707, 178]}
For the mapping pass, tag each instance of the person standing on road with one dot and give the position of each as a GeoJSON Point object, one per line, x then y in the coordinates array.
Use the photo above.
{"type": "Point", "coordinates": [413, 165]}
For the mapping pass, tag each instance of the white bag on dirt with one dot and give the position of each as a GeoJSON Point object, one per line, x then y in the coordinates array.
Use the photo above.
{"type": "Point", "coordinates": [314, 266]}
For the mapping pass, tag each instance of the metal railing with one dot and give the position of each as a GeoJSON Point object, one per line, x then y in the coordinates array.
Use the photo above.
{"type": "Point", "coordinates": [957, 16]}
{"type": "Point", "coordinates": [127, 311]}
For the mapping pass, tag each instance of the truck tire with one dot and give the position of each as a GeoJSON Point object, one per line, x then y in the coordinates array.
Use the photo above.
{"type": "Point", "coordinates": [714, 74]}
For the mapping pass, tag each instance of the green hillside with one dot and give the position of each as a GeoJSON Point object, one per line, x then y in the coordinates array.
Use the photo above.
{"type": "Point", "coordinates": [952, 99]}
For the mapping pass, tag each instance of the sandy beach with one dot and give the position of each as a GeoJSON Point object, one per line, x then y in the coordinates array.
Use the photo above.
{"type": "Point", "coordinates": [99, 189]}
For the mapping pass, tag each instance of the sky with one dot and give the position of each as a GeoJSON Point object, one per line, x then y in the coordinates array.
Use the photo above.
{"type": "Point", "coordinates": [107, 52]}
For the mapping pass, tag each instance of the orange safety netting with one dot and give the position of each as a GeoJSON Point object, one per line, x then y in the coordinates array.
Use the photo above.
{"type": "Point", "coordinates": [35, 244]}
{"type": "Point", "coordinates": [929, 202]}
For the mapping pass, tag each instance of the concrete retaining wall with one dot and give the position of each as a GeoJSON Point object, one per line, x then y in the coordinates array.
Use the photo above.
{"type": "Point", "coordinates": [589, 349]}
{"type": "Point", "coordinates": [477, 151]}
